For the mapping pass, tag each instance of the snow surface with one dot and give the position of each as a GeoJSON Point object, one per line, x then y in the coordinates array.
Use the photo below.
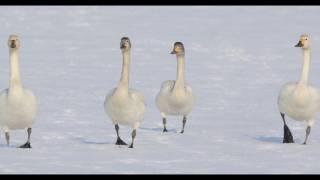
{"type": "Point", "coordinates": [237, 58]}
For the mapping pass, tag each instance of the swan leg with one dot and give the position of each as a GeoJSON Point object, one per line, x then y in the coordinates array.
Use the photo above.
{"type": "Point", "coordinates": [287, 135]}
{"type": "Point", "coordinates": [164, 121]}
{"type": "Point", "coordinates": [307, 134]}
{"type": "Point", "coordinates": [183, 123]}
{"type": "Point", "coordinates": [134, 133]}
{"type": "Point", "coordinates": [7, 138]}
{"type": "Point", "coordinates": [27, 144]}
{"type": "Point", "coordinates": [119, 140]}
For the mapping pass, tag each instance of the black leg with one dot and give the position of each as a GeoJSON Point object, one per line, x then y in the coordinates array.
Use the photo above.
{"type": "Point", "coordinates": [287, 135]}
{"type": "Point", "coordinates": [164, 120]}
{"type": "Point", "coordinates": [27, 144]}
{"type": "Point", "coordinates": [119, 140]}
{"type": "Point", "coordinates": [183, 123]}
{"type": "Point", "coordinates": [307, 134]}
{"type": "Point", "coordinates": [7, 137]}
{"type": "Point", "coordinates": [134, 133]}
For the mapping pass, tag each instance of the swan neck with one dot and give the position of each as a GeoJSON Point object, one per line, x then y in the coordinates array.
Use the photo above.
{"type": "Point", "coordinates": [15, 81]}
{"type": "Point", "coordinates": [306, 66]}
{"type": "Point", "coordinates": [124, 81]}
{"type": "Point", "coordinates": [180, 72]}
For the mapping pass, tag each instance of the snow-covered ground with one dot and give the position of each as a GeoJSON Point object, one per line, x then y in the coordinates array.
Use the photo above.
{"type": "Point", "coordinates": [237, 58]}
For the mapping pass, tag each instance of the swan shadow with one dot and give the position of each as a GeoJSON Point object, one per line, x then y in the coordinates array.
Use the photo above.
{"type": "Point", "coordinates": [159, 130]}
{"type": "Point", "coordinates": [277, 140]}
{"type": "Point", "coordinates": [16, 146]}
{"type": "Point", "coordinates": [6, 146]}
{"type": "Point", "coordinates": [85, 141]}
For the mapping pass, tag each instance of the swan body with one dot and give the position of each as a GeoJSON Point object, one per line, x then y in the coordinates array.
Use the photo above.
{"type": "Point", "coordinates": [18, 106]}
{"type": "Point", "coordinates": [300, 100]}
{"type": "Point", "coordinates": [125, 106]}
{"type": "Point", "coordinates": [17, 111]}
{"type": "Point", "coordinates": [175, 102]}
{"type": "Point", "coordinates": [176, 97]}
{"type": "Point", "coordinates": [128, 111]}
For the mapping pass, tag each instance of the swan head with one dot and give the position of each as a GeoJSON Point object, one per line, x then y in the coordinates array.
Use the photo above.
{"type": "Point", "coordinates": [304, 42]}
{"type": "Point", "coordinates": [125, 44]}
{"type": "Point", "coordinates": [178, 48]}
{"type": "Point", "coordinates": [13, 42]}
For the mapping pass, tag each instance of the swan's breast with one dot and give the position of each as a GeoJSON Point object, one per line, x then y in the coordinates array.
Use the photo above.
{"type": "Point", "coordinates": [126, 109]}
{"type": "Point", "coordinates": [300, 102]}
{"type": "Point", "coordinates": [17, 112]}
{"type": "Point", "coordinates": [179, 97]}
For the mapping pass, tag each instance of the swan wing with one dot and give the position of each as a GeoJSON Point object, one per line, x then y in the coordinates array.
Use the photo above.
{"type": "Point", "coordinates": [188, 88]}
{"type": "Point", "coordinates": [167, 85]}
{"type": "Point", "coordinates": [108, 96]}
{"type": "Point", "coordinates": [139, 105]}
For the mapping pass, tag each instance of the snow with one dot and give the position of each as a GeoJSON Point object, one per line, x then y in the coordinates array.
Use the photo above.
{"type": "Point", "coordinates": [237, 58]}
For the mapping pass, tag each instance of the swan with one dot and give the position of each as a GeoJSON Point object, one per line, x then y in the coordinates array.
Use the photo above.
{"type": "Point", "coordinates": [176, 97]}
{"type": "Point", "coordinates": [18, 106]}
{"type": "Point", "coordinates": [125, 106]}
{"type": "Point", "coordinates": [299, 100]}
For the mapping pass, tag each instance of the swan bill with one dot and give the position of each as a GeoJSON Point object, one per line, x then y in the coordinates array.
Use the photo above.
{"type": "Point", "coordinates": [13, 44]}
{"type": "Point", "coordinates": [125, 43]}
{"type": "Point", "coordinates": [178, 48]}
{"type": "Point", "coordinates": [300, 44]}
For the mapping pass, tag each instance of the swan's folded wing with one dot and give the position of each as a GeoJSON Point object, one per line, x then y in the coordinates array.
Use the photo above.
{"type": "Point", "coordinates": [167, 85]}
{"type": "Point", "coordinates": [109, 95]}
{"type": "Point", "coordinates": [189, 91]}
{"type": "Point", "coordinates": [188, 88]}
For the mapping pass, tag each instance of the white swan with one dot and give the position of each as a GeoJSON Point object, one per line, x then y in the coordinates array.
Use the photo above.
{"type": "Point", "coordinates": [18, 106]}
{"type": "Point", "coordinates": [299, 100]}
{"type": "Point", "coordinates": [176, 97]}
{"type": "Point", "coordinates": [125, 106]}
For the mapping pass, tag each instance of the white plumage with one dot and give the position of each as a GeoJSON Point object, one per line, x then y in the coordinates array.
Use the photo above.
{"type": "Point", "coordinates": [300, 100]}
{"type": "Point", "coordinates": [176, 97]}
{"type": "Point", "coordinates": [18, 106]}
{"type": "Point", "coordinates": [178, 102]}
{"type": "Point", "coordinates": [125, 110]}
{"type": "Point", "coordinates": [125, 106]}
